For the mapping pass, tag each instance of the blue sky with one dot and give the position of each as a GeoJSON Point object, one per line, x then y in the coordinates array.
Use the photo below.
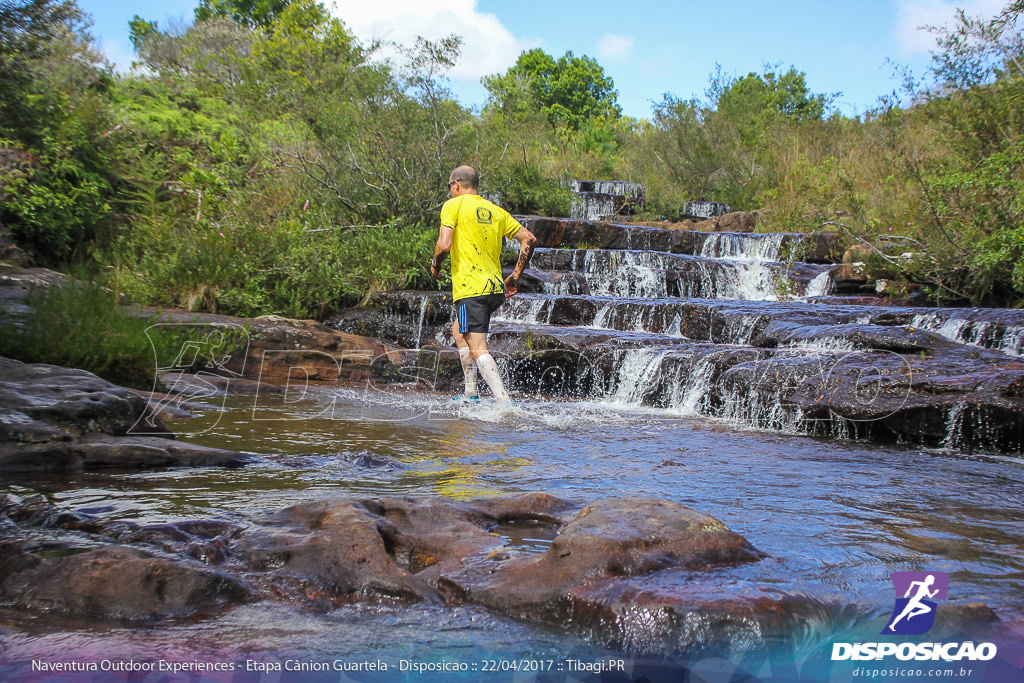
{"type": "Point", "coordinates": [648, 48]}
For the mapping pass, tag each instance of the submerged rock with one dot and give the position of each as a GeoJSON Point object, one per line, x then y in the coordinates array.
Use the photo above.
{"type": "Point", "coordinates": [65, 563]}
{"type": "Point", "coordinates": [416, 549]}
{"type": "Point", "coordinates": [332, 552]}
{"type": "Point", "coordinates": [606, 542]}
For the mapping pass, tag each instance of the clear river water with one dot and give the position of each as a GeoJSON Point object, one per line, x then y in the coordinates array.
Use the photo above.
{"type": "Point", "coordinates": [834, 517]}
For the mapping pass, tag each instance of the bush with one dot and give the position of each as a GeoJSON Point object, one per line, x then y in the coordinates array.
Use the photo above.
{"type": "Point", "coordinates": [81, 326]}
{"type": "Point", "coordinates": [289, 267]}
{"type": "Point", "coordinates": [523, 189]}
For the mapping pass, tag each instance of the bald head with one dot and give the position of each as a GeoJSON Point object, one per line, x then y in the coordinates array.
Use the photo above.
{"type": "Point", "coordinates": [466, 176]}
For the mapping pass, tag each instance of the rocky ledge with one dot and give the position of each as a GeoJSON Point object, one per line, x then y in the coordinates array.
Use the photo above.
{"type": "Point", "coordinates": [61, 418]}
{"type": "Point", "coordinates": [270, 348]}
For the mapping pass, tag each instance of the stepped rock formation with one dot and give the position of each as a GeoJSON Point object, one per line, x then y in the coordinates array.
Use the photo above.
{"type": "Point", "coordinates": [730, 325]}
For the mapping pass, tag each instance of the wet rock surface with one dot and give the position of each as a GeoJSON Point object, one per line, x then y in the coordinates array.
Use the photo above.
{"type": "Point", "coordinates": [245, 354]}
{"type": "Point", "coordinates": [112, 583]}
{"type": "Point", "coordinates": [631, 573]}
{"type": "Point", "coordinates": [596, 553]}
{"type": "Point", "coordinates": [598, 572]}
{"type": "Point", "coordinates": [54, 418]}
{"type": "Point", "coordinates": [64, 563]}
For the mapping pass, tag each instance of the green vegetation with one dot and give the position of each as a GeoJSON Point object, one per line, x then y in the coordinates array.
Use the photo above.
{"type": "Point", "coordinates": [569, 91]}
{"type": "Point", "coordinates": [266, 161]}
{"type": "Point", "coordinates": [82, 326]}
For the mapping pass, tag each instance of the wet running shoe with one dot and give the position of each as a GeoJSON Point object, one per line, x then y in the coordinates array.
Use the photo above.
{"type": "Point", "coordinates": [462, 398]}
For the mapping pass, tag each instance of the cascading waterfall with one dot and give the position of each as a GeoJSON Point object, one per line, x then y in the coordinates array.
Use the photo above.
{"type": "Point", "coordinates": [739, 328]}
{"type": "Point", "coordinates": [755, 281]}
{"type": "Point", "coordinates": [646, 274]}
{"type": "Point", "coordinates": [755, 257]}
{"type": "Point", "coordinates": [1013, 341]}
{"type": "Point", "coordinates": [700, 335]}
{"type": "Point", "coordinates": [743, 246]}
{"type": "Point", "coordinates": [523, 311]}
{"type": "Point", "coordinates": [689, 386]}
{"type": "Point", "coordinates": [761, 408]}
{"type": "Point", "coordinates": [592, 206]}
{"type": "Point", "coordinates": [422, 320]}
{"type": "Point", "coordinates": [620, 273]}
{"type": "Point", "coordinates": [637, 376]}
{"type": "Point", "coordinates": [686, 399]}
{"type": "Point", "coordinates": [821, 285]}
{"type": "Point", "coordinates": [1007, 338]}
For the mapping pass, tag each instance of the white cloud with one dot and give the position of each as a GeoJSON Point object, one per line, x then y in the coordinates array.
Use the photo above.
{"type": "Point", "coordinates": [487, 46]}
{"type": "Point", "coordinates": [115, 53]}
{"type": "Point", "coordinates": [613, 47]}
{"type": "Point", "coordinates": [912, 15]}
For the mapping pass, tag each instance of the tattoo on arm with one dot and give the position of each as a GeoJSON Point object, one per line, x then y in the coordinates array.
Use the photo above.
{"type": "Point", "coordinates": [524, 255]}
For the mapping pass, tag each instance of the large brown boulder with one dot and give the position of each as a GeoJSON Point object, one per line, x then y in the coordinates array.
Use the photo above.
{"type": "Point", "coordinates": [331, 552]}
{"type": "Point", "coordinates": [607, 541]}
{"type": "Point", "coordinates": [736, 221]}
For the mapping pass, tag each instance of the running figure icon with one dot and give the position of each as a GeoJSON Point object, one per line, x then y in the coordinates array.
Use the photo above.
{"type": "Point", "coordinates": [915, 607]}
{"type": "Point", "coordinates": [914, 613]}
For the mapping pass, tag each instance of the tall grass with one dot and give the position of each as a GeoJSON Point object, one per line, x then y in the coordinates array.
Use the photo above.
{"type": "Point", "coordinates": [81, 325]}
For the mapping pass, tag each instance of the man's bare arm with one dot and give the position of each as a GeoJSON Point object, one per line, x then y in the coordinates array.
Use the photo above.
{"type": "Point", "coordinates": [527, 242]}
{"type": "Point", "coordinates": [441, 249]}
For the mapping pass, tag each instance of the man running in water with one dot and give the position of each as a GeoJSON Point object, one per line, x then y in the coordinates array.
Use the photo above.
{"type": "Point", "coordinates": [915, 607]}
{"type": "Point", "coordinates": [473, 230]}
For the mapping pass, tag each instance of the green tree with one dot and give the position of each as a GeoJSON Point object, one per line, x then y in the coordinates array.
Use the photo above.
{"type": "Point", "coordinates": [758, 96]}
{"type": "Point", "coordinates": [251, 13]}
{"type": "Point", "coordinates": [55, 116]}
{"type": "Point", "coordinates": [727, 147]}
{"type": "Point", "coordinates": [973, 194]}
{"type": "Point", "coordinates": [568, 91]}
{"type": "Point", "coordinates": [34, 37]}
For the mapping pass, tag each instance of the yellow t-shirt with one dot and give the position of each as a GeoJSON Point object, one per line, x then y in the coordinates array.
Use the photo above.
{"type": "Point", "coordinates": [480, 228]}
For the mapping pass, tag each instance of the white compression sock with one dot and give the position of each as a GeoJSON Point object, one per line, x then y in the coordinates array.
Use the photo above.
{"type": "Point", "coordinates": [469, 370]}
{"type": "Point", "coordinates": [489, 371]}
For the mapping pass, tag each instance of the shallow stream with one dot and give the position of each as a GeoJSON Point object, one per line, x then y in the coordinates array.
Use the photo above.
{"type": "Point", "coordinates": [834, 517]}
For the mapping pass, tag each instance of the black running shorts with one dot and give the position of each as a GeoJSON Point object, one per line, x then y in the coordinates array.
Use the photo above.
{"type": "Point", "coordinates": [475, 312]}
